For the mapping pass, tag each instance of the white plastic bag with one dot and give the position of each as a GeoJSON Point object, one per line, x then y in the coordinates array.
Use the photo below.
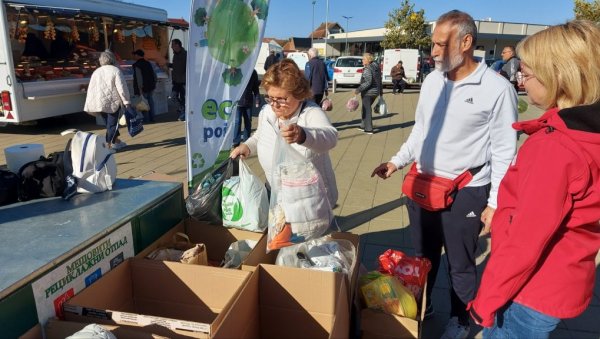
{"type": "Point", "coordinates": [381, 107]}
{"type": "Point", "coordinates": [237, 252]}
{"type": "Point", "coordinates": [299, 209]}
{"type": "Point", "coordinates": [142, 105]}
{"type": "Point", "coordinates": [324, 254]}
{"type": "Point", "coordinates": [244, 202]}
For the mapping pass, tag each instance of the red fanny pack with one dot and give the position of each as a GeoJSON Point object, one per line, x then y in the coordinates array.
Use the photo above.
{"type": "Point", "coordinates": [433, 193]}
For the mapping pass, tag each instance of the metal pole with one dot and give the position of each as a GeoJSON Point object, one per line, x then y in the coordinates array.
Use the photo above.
{"type": "Point", "coordinates": [347, 25]}
{"type": "Point", "coordinates": [326, 26]}
{"type": "Point", "coordinates": [312, 29]}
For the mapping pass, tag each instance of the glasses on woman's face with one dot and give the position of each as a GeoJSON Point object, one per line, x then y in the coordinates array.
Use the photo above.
{"type": "Point", "coordinates": [276, 101]}
{"type": "Point", "coordinates": [522, 77]}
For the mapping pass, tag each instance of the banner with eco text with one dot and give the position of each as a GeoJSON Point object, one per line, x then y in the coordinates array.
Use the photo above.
{"type": "Point", "coordinates": [225, 38]}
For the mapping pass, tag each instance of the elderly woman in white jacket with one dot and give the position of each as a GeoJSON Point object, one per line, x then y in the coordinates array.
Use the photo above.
{"type": "Point", "coordinates": [106, 93]}
{"type": "Point", "coordinates": [301, 122]}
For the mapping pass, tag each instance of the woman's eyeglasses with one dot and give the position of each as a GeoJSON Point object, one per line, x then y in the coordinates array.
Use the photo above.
{"type": "Point", "coordinates": [522, 77]}
{"type": "Point", "coordinates": [279, 101]}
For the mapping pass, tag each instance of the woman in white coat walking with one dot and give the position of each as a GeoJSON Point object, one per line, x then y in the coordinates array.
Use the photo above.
{"type": "Point", "coordinates": [106, 93]}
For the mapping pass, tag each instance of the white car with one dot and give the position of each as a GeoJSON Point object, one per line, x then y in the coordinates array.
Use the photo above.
{"type": "Point", "coordinates": [347, 71]}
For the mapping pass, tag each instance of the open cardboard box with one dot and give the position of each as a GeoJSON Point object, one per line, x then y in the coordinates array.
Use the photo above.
{"type": "Point", "coordinates": [378, 324]}
{"type": "Point", "coordinates": [57, 329]}
{"type": "Point", "coordinates": [187, 301]}
{"type": "Point", "coordinates": [217, 240]}
{"type": "Point", "coordinates": [285, 302]}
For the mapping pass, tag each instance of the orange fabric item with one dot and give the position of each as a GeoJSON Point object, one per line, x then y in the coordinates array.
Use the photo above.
{"type": "Point", "coordinates": [281, 239]}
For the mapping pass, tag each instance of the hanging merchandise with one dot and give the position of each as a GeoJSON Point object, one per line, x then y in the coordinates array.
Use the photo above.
{"type": "Point", "coordinates": [50, 32]}
{"type": "Point", "coordinates": [22, 33]}
{"type": "Point", "coordinates": [74, 33]}
{"type": "Point", "coordinates": [133, 37]}
{"type": "Point", "coordinates": [119, 35]}
{"type": "Point", "coordinates": [94, 32]}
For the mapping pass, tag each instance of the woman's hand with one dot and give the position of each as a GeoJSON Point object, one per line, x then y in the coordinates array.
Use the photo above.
{"type": "Point", "coordinates": [293, 133]}
{"type": "Point", "coordinates": [242, 151]}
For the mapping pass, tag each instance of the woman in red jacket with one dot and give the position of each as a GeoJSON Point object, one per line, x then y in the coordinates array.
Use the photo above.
{"type": "Point", "coordinates": [546, 230]}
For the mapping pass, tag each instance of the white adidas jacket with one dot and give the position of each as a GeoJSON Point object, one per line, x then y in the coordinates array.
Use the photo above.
{"type": "Point", "coordinates": [107, 91]}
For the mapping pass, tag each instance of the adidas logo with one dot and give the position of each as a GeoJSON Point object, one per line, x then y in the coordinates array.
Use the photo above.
{"type": "Point", "coordinates": [471, 215]}
{"type": "Point", "coordinates": [469, 101]}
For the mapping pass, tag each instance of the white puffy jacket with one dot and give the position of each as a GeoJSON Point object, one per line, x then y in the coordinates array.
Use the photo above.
{"type": "Point", "coordinates": [107, 91]}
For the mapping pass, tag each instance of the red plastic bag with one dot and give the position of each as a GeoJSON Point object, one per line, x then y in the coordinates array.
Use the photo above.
{"type": "Point", "coordinates": [327, 105]}
{"type": "Point", "coordinates": [412, 271]}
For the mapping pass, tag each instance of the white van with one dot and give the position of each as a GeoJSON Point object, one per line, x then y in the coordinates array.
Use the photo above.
{"type": "Point", "coordinates": [410, 62]}
{"type": "Point", "coordinates": [36, 83]}
{"type": "Point", "coordinates": [300, 58]}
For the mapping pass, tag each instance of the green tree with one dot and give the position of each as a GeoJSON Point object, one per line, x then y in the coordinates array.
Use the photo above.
{"type": "Point", "coordinates": [406, 28]}
{"type": "Point", "coordinates": [587, 10]}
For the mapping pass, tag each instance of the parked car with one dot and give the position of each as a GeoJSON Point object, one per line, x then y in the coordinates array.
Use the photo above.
{"type": "Point", "coordinates": [347, 71]}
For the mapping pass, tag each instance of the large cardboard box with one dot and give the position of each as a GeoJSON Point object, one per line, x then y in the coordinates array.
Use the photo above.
{"type": "Point", "coordinates": [188, 301]}
{"type": "Point", "coordinates": [285, 302]}
{"type": "Point", "coordinates": [377, 324]}
{"type": "Point", "coordinates": [217, 240]}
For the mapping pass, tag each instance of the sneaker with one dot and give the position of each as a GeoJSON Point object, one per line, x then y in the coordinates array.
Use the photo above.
{"type": "Point", "coordinates": [360, 129]}
{"type": "Point", "coordinates": [181, 118]}
{"type": "Point", "coordinates": [119, 145]}
{"type": "Point", "coordinates": [369, 132]}
{"type": "Point", "coordinates": [454, 330]}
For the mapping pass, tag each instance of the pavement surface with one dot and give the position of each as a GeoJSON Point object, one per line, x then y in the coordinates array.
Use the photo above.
{"type": "Point", "coordinates": [370, 207]}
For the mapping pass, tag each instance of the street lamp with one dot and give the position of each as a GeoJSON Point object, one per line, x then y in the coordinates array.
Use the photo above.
{"type": "Point", "coordinates": [312, 29]}
{"type": "Point", "coordinates": [347, 18]}
{"type": "Point", "coordinates": [326, 25]}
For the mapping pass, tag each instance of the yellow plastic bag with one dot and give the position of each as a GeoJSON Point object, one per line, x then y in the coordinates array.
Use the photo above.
{"type": "Point", "coordinates": [386, 293]}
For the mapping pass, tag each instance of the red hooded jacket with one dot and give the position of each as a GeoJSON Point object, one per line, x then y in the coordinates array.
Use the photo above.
{"type": "Point", "coordinates": [546, 230]}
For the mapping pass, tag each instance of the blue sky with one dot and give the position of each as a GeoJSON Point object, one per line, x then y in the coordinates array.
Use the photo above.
{"type": "Point", "coordinates": [294, 17]}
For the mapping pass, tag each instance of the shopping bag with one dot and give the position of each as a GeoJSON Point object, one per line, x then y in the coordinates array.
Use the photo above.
{"type": "Point", "coordinates": [142, 104]}
{"type": "Point", "coordinates": [204, 203]}
{"type": "Point", "coordinates": [134, 122]}
{"type": "Point", "coordinates": [381, 107]}
{"type": "Point", "coordinates": [327, 105]}
{"type": "Point", "coordinates": [245, 204]}
{"type": "Point", "coordinates": [352, 104]}
{"type": "Point", "coordinates": [181, 249]}
{"type": "Point", "coordinates": [299, 209]}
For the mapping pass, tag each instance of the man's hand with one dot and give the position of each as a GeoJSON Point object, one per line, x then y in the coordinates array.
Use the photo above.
{"type": "Point", "coordinates": [384, 170]}
{"type": "Point", "coordinates": [486, 219]}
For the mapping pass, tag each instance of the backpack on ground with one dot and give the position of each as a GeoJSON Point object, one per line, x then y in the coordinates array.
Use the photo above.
{"type": "Point", "coordinates": [9, 183]}
{"type": "Point", "coordinates": [94, 165]}
{"type": "Point", "coordinates": [43, 178]}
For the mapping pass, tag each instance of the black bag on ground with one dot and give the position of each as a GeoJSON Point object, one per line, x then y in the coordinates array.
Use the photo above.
{"type": "Point", "coordinates": [9, 187]}
{"type": "Point", "coordinates": [45, 178]}
{"type": "Point", "coordinates": [204, 204]}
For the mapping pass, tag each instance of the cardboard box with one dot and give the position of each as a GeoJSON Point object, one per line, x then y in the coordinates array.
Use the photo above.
{"type": "Point", "coordinates": [56, 329]}
{"type": "Point", "coordinates": [285, 302]}
{"type": "Point", "coordinates": [217, 240]}
{"type": "Point", "coordinates": [188, 301]}
{"type": "Point", "coordinates": [377, 324]}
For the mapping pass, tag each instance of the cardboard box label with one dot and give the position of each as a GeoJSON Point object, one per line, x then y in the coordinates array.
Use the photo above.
{"type": "Point", "coordinates": [78, 272]}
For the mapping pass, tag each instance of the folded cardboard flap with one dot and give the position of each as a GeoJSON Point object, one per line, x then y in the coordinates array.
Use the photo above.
{"type": "Point", "coordinates": [289, 302]}
{"type": "Point", "coordinates": [183, 298]}
{"type": "Point", "coordinates": [56, 329]}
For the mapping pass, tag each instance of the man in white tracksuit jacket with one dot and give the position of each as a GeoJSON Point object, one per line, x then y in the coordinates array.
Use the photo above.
{"type": "Point", "coordinates": [463, 121]}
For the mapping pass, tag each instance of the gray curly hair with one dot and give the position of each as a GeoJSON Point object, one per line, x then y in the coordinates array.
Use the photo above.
{"type": "Point", "coordinates": [107, 58]}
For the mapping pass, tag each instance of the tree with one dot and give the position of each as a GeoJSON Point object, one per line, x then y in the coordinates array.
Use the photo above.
{"type": "Point", "coordinates": [406, 28]}
{"type": "Point", "coordinates": [587, 10]}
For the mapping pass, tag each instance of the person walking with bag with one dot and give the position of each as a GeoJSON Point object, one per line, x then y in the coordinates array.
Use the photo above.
{"type": "Point", "coordinates": [369, 89]}
{"type": "Point", "coordinates": [316, 73]}
{"type": "Point", "coordinates": [106, 93]}
{"type": "Point", "coordinates": [398, 76]}
{"type": "Point", "coordinates": [462, 130]}
{"type": "Point", "coordinates": [144, 82]}
{"type": "Point", "coordinates": [545, 232]}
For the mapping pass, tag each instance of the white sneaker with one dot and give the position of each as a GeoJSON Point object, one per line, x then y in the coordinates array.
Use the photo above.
{"type": "Point", "coordinates": [119, 145]}
{"type": "Point", "coordinates": [454, 330]}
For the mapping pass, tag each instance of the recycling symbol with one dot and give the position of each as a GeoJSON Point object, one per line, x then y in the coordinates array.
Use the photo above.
{"type": "Point", "coordinates": [197, 160]}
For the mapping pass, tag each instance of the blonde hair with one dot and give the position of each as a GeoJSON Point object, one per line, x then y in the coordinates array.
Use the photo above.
{"type": "Point", "coordinates": [368, 57]}
{"type": "Point", "coordinates": [564, 60]}
{"type": "Point", "coordinates": [287, 76]}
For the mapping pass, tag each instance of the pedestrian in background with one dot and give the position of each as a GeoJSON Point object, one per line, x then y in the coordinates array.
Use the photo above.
{"type": "Point", "coordinates": [369, 89]}
{"type": "Point", "coordinates": [271, 59]}
{"type": "Point", "coordinates": [398, 76]}
{"type": "Point", "coordinates": [106, 94]}
{"type": "Point", "coordinates": [462, 126]}
{"type": "Point", "coordinates": [316, 74]}
{"type": "Point", "coordinates": [545, 232]}
{"type": "Point", "coordinates": [178, 65]}
{"type": "Point", "coordinates": [511, 66]}
{"type": "Point", "coordinates": [250, 97]}
{"type": "Point", "coordinates": [144, 82]}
